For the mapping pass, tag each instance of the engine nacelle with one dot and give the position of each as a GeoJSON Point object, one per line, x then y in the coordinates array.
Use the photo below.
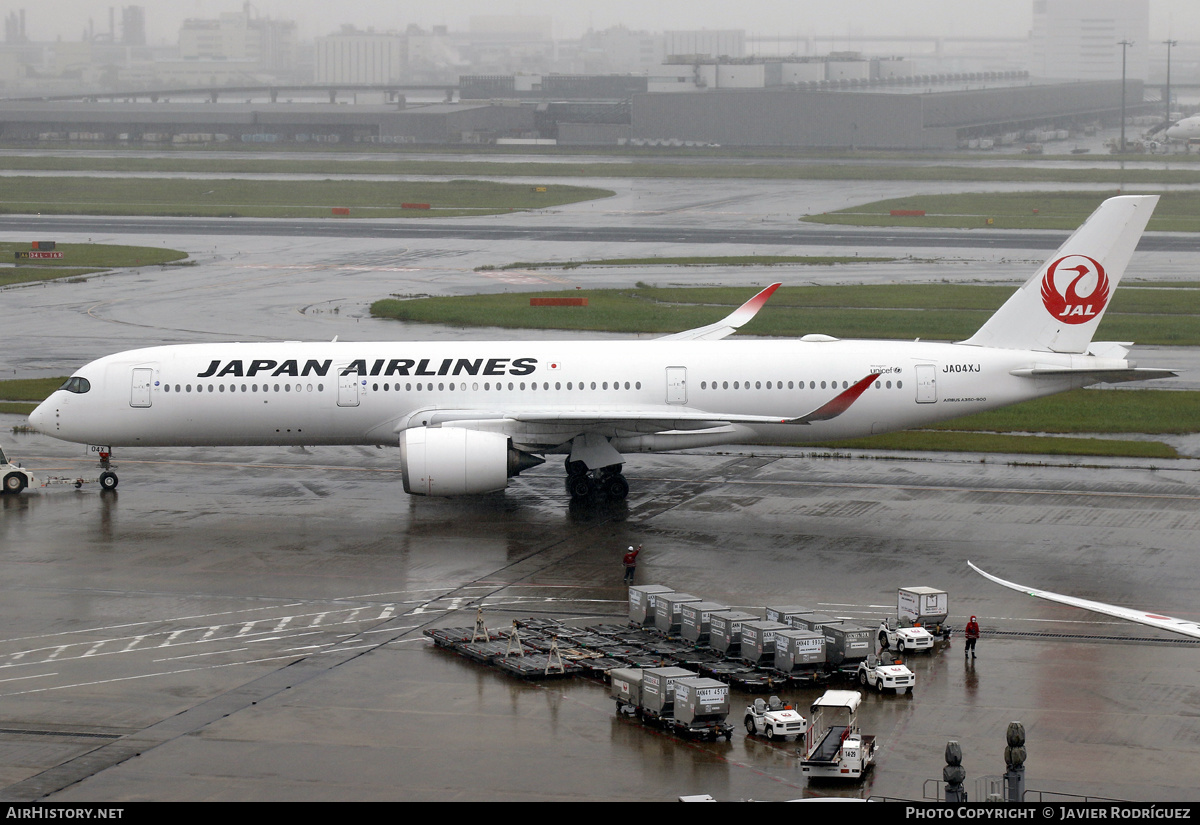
{"type": "Point", "coordinates": [456, 461]}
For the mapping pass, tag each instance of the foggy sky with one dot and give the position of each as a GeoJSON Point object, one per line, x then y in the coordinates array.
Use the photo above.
{"type": "Point", "coordinates": [67, 19]}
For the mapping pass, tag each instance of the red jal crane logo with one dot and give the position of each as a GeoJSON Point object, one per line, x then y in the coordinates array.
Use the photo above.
{"type": "Point", "coordinates": [1086, 293]}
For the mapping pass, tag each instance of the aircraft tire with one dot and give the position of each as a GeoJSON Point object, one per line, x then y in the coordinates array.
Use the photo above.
{"type": "Point", "coordinates": [580, 486]}
{"type": "Point", "coordinates": [108, 480]}
{"type": "Point", "coordinates": [616, 487]}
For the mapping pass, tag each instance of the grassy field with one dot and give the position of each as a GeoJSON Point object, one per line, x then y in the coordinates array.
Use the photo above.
{"type": "Point", "coordinates": [81, 259]}
{"type": "Point", "coordinates": [1176, 211]}
{"type": "Point", "coordinates": [1148, 316]}
{"type": "Point", "coordinates": [921, 440]}
{"type": "Point", "coordinates": [697, 260]}
{"type": "Point", "coordinates": [797, 166]}
{"type": "Point", "coordinates": [279, 199]}
{"type": "Point", "coordinates": [18, 396]}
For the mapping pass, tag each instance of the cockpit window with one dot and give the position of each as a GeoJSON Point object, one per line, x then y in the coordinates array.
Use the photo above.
{"type": "Point", "coordinates": [76, 384]}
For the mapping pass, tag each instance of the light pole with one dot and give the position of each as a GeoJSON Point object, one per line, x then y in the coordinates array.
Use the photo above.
{"type": "Point", "coordinates": [1169, 44]}
{"type": "Point", "coordinates": [1124, 44]}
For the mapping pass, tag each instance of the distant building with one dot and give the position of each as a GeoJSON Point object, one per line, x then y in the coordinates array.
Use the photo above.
{"type": "Point", "coordinates": [361, 57]}
{"type": "Point", "coordinates": [705, 43]}
{"type": "Point", "coordinates": [133, 26]}
{"type": "Point", "coordinates": [1079, 39]}
{"type": "Point", "coordinates": [268, 44]}
{"type": "Point", "coordinates": [620, 50]}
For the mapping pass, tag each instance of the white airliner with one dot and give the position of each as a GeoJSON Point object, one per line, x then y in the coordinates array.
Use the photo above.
{"type": "Point", "coordinates": [1185, 130]}
{"type": "Point", "coordinates": [1182, 626]}
{"type": "Point", "coordinates": [467, 416]}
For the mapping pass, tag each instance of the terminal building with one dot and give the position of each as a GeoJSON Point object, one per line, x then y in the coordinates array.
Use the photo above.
{"type": "Point", "coordinates": [841, 101]}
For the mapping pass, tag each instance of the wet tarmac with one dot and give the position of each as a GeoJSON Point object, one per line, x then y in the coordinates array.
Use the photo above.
{"type": "Point", "coordinates": [246, 624]}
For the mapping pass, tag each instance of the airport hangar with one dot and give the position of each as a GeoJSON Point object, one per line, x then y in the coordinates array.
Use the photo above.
{"type": "Point", "coordinates": [939, 114]}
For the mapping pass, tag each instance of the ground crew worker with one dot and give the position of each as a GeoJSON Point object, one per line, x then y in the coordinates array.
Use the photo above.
{"type": "Point", "coordinates": [972, 634]}
{"type": "Point", "coordinates": [630, 562]}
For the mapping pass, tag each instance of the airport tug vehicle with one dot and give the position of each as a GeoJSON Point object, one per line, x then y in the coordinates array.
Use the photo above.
{"type": "Point", "coordinates": [872, 673]}
{"type": "Point", "coordinates": [14, 478]}
{"type": "Point", "coordinates": [774, 719]}
{"type": "Point", "coordinates": [833, 746]}
{"type": "Point", "coordinates": [904, 639]}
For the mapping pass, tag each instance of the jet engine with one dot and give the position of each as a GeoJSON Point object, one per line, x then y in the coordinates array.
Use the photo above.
{"type": "Point", "coordinates": [455, 461]}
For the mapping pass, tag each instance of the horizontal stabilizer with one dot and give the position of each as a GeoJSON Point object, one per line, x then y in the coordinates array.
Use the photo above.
{"type": "Point", "coordinates": [1098, 375]}
{"type": "Point", "coordinates": [727, 325]}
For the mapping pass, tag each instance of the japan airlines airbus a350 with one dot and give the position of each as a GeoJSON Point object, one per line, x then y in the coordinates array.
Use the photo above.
{"type": "Point", "coordinates": [467, 416]}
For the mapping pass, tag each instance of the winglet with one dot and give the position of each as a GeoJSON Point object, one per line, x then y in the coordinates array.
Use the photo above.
{"type": "Point", "coordinates": [838, 405]}
{"type": "Point", "coordinates": [727, 325]}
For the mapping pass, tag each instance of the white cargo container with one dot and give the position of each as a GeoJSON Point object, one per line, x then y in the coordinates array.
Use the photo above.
{"type": "Point", "coordinates": [925, 606]}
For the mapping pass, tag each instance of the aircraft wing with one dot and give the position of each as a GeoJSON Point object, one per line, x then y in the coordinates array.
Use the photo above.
{"type": "Point", "coordinates": [727, 325]}
{"type": "Point", "coordinates": [641, 419]}
{"type": "Point", "coordinates": [1152, 619]}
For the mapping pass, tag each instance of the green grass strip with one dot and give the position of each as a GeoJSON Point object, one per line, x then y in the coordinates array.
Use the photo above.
{"type": "Point", "coordinates": [947, 312]}
{"type": "Point", "coordinates": [810, 166]}
{"type": "Point", "coordinates": [920, 440]}
{"type": "Point", "coordinates": [1176, 211]}
{"type": "Point", "coordinates": [29, 389]}
{"type": "Point", "coordinates": [276, 198]}
{"type": "Point", "coordinates": [79, 259]}
{"type": "Point", "coordinates": [1157, 412]}
{"type": "Point", "coordinates": [714, 260]}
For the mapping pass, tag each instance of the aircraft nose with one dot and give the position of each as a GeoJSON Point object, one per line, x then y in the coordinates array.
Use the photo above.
{"type": "Point", "coordinates": [40, 419]}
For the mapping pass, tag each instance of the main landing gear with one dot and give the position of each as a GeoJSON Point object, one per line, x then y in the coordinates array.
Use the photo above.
{"type": "Point", "coordinates": [608, 482]}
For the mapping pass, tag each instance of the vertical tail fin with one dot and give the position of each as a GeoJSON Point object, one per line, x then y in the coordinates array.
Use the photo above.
{"type": "Point", "coordinates": [1059, 308]}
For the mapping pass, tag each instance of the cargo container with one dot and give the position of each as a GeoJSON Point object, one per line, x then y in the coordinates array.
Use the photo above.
{"type": "Point", "coordinates": [702, 708]}
{"type": "Point", "coordinates": [784, 615]}
{"type": "Point", "coordinates": [658, 693]}
{"type": "Point", "coordinates": [799, 651]}
{"type": "Point", "coordinates": [641, 603]}
{"type": "Point", "coordinates": [725, 631]}
{"type": "Point", "coordinates": [626, 688]}
{"type": "Point", "coordinates": [813, 621]}
{"type": "Point", "coordinates": [846, 644]}
{"type": "Point", "coordinates": [758, 642]}
{"type": "Point", "coordinates": [925, 606]}
{"type": "Point", "coordinates": [694, 623]}
{"type": "Point", "coordinates": [668, 611]}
